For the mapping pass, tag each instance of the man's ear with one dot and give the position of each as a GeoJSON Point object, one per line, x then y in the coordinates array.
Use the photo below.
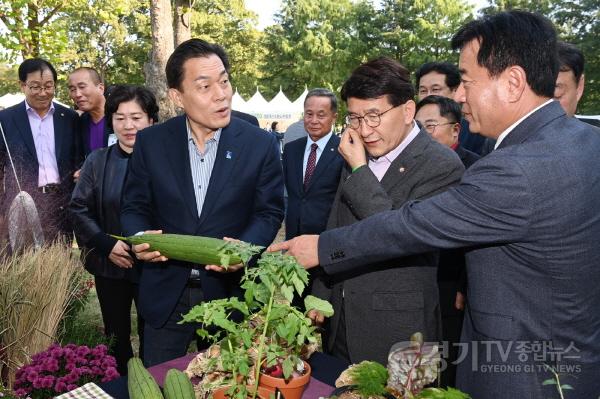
{"type": "Point", "coordinates": [580, 87]}
{"type": "Point", "coordinates": [456, 129]}
{"type": "Point", "coordinates": [175, 96]}
{"type": "Point", "coordinates": [409, 111]}
{"type": "Point", "coordinates": [516, 81]}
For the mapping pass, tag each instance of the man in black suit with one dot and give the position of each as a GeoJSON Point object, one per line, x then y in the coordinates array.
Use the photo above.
{"type": "Point", "coordinates": [312, 166]}
{"type": "Point", "coordinates": [86, 89]}
{"type": "Point", "coordinates": [44, 144]}
{"type": "Point", "coordinates": [528, 214]}
{"type": "Point", "coordinates": [202, 173]}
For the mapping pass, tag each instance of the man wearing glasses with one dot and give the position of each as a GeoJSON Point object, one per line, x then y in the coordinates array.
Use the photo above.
{"type": "Point", "coordinates": [440, 116]}
{"type": "Point", "coordinates": [389, 161]}
{"type": "Point", "coordinates": [42, 139]}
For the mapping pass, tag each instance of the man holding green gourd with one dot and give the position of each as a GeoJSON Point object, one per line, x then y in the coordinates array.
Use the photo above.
{"type": "Point", "coordinates": [203, 173]}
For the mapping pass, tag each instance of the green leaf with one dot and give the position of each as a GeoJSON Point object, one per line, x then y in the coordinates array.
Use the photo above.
{"type": "Point", "coordinates": [566, 386]}
{"type": "Point", "coordinates": [312, 302]}
{"type": "Point", "coordinates": [550, 381]}
{"type": "Point", "coordinates": [288, 367]}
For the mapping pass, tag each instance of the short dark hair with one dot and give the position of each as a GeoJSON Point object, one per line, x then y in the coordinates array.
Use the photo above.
{"type": "Point", "coordinates": [570, 58]}
{"type": "Point", "coordinates": [515, 38]}
{"type": "Point", "coordinates": [445, 68]}
{"type": "Point", "coordinates": [274, 125]}
{"type": "Point", "coordinates": [124, 93]}
{"type": "Point", "coordinates": [35, 65]}
{"type": "Point", "coordinates": [94, 74]}
{"type": "Point", "coordinates": [379, 77]}
{"type": "Point", "coordinates": [320, 92]}
{"type": "Point", "coordinates": [449, 108]}
{"type": "Point", "coordinates": [193, 48]}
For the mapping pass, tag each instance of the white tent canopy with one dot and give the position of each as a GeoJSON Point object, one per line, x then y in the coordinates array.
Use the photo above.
{"type": "Point", "coordinates": [280, 108]}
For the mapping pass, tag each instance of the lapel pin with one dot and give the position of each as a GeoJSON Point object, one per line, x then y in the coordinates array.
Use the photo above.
{"type": "Point", "coordinates": [228, 155]}
{"type": "Point", "coordinates": [402, 169]}
{"type": "Point", "coordinates": [61, 114]}
{"type": "Point", "coordinates": [331, 149]}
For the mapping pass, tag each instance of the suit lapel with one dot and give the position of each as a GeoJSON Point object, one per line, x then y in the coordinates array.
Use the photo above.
{"type": "Point", "coordinates": [228, 153]}
{"type": "Point", "coordinates": [533, 124]}
{"type": "Point", "coordinates": [22, 124]}
{"type": "Point", "coordinates": [401, 167]}
{"type": "Point", "coordinates": [59, 132]}
{"type": "Point", "coordinates": [328, 154]}
{"type": "Point", "coordinates": [176, 148]}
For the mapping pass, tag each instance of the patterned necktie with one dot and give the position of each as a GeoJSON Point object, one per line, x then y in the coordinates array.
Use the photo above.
{"type": "Point", "coordinates": [310, 165]}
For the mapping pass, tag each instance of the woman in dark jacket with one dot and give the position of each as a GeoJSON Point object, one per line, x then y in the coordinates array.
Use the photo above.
{"type": "Point", "coordinates": [95, 208]}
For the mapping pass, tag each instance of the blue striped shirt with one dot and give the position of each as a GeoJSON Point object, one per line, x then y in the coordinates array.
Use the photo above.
{"type": "Point", "coordinates": [201, 164]}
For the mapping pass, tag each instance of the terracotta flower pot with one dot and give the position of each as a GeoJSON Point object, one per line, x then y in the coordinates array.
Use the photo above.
{"type": "Point", "coordinates": [291, 389]}
{"type": "Point", "coordinates": [221, 393]}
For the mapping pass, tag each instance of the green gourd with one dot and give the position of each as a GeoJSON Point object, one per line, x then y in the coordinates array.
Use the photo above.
{"type": "Point", "coordinates": [194, 249]}
{"type": "Point", "coordinates": [178, 386]}
{"type": "Point", "coordinates": [140, 384]}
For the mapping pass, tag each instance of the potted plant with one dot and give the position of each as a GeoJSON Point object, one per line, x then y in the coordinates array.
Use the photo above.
{"type": "Point", "coordinates": [262, 332]}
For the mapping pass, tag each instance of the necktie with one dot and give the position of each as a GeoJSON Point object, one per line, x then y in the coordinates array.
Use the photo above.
{"type": "Point", "coordinates": [310, 165]}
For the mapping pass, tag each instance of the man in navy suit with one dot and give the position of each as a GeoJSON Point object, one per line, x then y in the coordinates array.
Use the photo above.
{"type": "Point", "coordinates": [310, 197]}
{"type": "Point", "coordinates": [528, 214]}
{"type": "Point", "coordinates": [42, 139]}
{"type": "Point", "coordinates": [202, 173]}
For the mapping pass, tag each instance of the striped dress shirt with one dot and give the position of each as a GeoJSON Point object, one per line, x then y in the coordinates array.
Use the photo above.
{"type": "Point", "coordinates": [201, 164]}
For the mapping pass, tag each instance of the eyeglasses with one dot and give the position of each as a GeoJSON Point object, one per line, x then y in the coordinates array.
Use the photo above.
{"type": "Point", "coordinates": [372, 119]}
{"type": "Point", "coordinates": [35, 88]}
{"type": "Point", "coordinates": [430, 127]}
{"type": "Point", "coordinates": [435, 90]}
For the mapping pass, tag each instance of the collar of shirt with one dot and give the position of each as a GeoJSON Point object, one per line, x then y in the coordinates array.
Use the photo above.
{"type": "Point", "coordinates": [30, 110]}
{"type": "Point", "coordinates": [190, 135]}
{"type": "Point", "coordinates": [514, 125]}
{"type": "Point", "coordinates": [321, 143]}
{"type": "Point", "coordinates": [392, 155]}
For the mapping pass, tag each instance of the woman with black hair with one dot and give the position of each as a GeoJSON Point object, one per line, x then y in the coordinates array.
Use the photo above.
{"type": "Point", "coordinates": [96, 206]}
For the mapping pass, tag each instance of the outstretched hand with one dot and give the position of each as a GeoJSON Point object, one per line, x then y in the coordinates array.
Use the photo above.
{"type": "Point", "coordinates": [303, 248]}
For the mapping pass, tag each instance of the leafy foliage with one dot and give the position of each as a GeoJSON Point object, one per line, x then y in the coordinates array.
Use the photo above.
{"type": "Point", "coordinates": [264, 327]}
{"type": "Point", "coordinates": [370, 378]}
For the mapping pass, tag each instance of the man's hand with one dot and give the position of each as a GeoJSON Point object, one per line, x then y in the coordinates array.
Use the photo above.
{"type": "Point", "coordinates": [120, 255]}
{"type": "Point", "coordinates": [141, 250]}
{"type": "Point", "coordinates": [317, 317]}
{"type": "Point", "coordinates": [76, 175]}
{"type": "Point", "coordinates": [459, 302]}
{"type": "Point", "coordinates": [230, 268]}
{"type": "Point", "coordinates": [303, 248]}
{"type": "Point", "coordinates": [352, 149]}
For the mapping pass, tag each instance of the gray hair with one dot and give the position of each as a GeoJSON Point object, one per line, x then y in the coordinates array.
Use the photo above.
{"type": "Point", "coordinates": [320, 92]}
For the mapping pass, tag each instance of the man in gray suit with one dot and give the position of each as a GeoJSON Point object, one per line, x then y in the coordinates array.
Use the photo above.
{"type": "Point", "coordinates": [529, 214]}
{"type": "Point", "coordinates": [389, 161]}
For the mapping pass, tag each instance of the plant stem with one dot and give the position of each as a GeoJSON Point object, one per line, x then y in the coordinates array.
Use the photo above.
{"type": "Point", "coordinates": [558, 387]}
{"type": "Point", "coordinates": [262, 341]}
